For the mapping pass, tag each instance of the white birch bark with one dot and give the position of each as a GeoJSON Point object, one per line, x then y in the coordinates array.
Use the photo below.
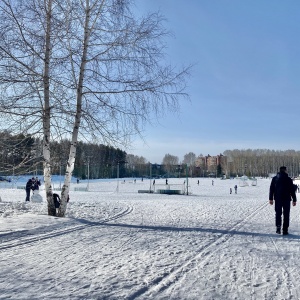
{"type": "Point", "coordinates": [72, 153]}
{"type": "Point", "coordinates": [46, 113]}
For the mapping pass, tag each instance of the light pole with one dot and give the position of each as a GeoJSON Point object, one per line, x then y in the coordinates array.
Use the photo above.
{"type": "Point", "coordinates": [88, 174]}
{"type": "Point", "coordinates": [13, 179]}
{"type": "Point", "coordinates": [187, 179]}
{"type": "Point", "coordinates": [118, 171]}
{"type": "Point", "coordinates": [60, 176]}
{"type": "Point", "coordinates": [118, 175]}
{"type": "Point", "coordinates": [150, 166]}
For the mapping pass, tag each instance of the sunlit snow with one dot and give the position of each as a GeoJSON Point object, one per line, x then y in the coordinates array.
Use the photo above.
{"type": "Point", "coordinates": [116, 243]}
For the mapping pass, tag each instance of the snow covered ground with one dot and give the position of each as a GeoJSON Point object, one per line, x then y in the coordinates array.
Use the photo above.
{"type": "Point", "coordinates": [121, 244]}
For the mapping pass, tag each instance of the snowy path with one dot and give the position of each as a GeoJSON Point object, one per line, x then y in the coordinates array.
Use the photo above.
{"type": "Point", "coordinates": [204, 254]}
{"type": "Point", "coordinates": [209, 245]}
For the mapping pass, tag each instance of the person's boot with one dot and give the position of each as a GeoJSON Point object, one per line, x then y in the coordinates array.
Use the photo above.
{"type": "Point", "coordinates": [278, 230]}
{"type": "Point", "coordinates": [285, 231]}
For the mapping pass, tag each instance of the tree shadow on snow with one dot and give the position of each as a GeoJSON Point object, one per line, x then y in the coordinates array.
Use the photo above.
{"type": "Point", "coordinates": [191, 229]}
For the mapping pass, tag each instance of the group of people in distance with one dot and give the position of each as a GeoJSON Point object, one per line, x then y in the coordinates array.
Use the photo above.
{"type": "Point", "coordinates": [33, 184]}
{"type": "Point", "coordinates": [282, 191]}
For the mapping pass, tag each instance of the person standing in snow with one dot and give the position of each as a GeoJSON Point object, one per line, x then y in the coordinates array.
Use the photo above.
{"type": "Point", "coordinates": [235, 189]}
{"type": "Point", "coordinates": [28, 187]}
{"type": "Point", "coordinates": [282, 191]}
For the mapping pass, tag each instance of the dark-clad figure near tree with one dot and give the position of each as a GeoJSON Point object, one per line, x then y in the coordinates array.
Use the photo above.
{"type": "Point", "coordinates": [29, 187]}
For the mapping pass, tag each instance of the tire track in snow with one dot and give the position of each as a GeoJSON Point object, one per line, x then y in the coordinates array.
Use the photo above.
{"type": "Point", "coordinates": [290, 278]}
{"type": "Point", "coordinates": [287, 270]}
{"type": "Point", "coordinates": [23, 240]}
{"type": "Point", "coordinates": [164, 281]}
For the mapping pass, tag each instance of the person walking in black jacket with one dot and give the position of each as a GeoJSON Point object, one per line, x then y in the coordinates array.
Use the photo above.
{"type": "Point", "coordinates": [282, 191]}
{"type": "Point", "coordinates": [29, 186]}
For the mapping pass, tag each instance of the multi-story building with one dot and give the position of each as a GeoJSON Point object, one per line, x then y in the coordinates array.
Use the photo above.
{"type": "Point", "coordinates": [210, 163]}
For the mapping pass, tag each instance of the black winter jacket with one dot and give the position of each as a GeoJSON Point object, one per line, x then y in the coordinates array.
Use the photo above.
{"type": "Point", "coordinates": [282, 188]}
{"type": "Point", "coordinates": [29, 184]}
{"type": "Point", "coordinates": [56, 200]}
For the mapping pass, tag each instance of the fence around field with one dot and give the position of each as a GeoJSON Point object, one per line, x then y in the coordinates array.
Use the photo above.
{"type": "Point", "coordinates": [111, 186]}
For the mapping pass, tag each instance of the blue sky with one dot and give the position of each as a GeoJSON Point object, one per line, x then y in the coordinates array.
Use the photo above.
{"type": "Point", "coordinates": [244, 86]}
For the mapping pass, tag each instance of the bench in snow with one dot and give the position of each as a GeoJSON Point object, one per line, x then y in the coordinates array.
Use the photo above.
{"type": "Point", "coordinates": [80, 189]}
{"type": "Point", "coordinates": [169, 192]}
{"type": "Point", "coordinates": [145, 191]}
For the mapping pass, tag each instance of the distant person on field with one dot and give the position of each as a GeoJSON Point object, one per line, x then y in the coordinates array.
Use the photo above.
{"type": "Point", "coordinates": [235, 189]}
{"type": "Point", "coordinates": [28, 187]}
{"type": "Point", "coordinates": [282, 191]}
{"type": "Point", "coordinates": [212, 182]}
{"type": "Point", "coordinates": [230, 190]}
{"type": "Point", "coordinates": [198, 182]}
{"type": "Point", "coordinates": [295, 187]}
{"type": "Point", "coordinates": [166, 181]}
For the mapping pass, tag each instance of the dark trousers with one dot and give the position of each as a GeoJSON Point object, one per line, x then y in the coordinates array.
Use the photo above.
{"type": "Point", "coordinates": [27, 195]}
{"type": "Point", "coordinates": [282, 207]}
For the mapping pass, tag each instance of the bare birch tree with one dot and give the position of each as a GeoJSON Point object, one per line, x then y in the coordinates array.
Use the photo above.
{"type": "Point", "coordinates": [189, 158]}
{"type": "Point", "coordinates": [170, 163]}
{"type": "Point", "coordinates": [85, 69]}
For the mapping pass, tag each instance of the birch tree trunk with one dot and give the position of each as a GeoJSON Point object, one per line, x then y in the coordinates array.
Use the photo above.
{"type": "Point", "coordinates": [46, 113]}
{"type": "Point", "coordinates": [73, 147]}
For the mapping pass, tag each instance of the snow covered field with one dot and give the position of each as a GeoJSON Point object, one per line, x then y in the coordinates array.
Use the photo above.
{"type": "Point", "coordinates": [127, 245]}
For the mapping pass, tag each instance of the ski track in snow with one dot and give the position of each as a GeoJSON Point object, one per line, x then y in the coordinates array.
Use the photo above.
{"type": "Point", "coordinates": [23, 238]}
{"type": "Point", "coordinates": [291, 275]}
{"type": "Point", "coordinates": [163, 282]}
